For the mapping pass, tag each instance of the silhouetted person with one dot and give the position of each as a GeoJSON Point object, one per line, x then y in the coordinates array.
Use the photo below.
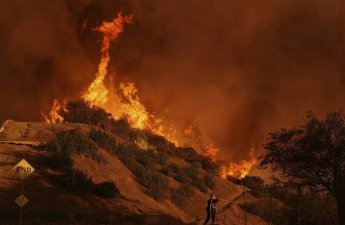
{"type": "Point", "coordinates": [211, 209]}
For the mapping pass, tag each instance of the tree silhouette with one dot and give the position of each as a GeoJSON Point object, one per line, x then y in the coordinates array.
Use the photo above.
{"type": "Point", "coordinates": [310, 154]}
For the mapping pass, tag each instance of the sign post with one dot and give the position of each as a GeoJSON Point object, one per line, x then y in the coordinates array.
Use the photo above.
{"type": "Point", "coordinates": [23, 169]}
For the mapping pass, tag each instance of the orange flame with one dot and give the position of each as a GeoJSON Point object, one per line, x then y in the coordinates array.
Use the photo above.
{"type": "Point", "coordinates": [124, 104]}
{"type": "Point", "coordinates": [127, 103]}
{"type": "Point", "coordinates": [208, 150]}
{"type": "Point", "coordinates": [97, 93]}
{"type": "Point", "coordinates": [241, 169]}
{"type": "Point", "coordinates": [132, 108]}
{"type": "Point", "coordinates": [54, 116]}
{"type": "Point", "coordinates": [138, 116]}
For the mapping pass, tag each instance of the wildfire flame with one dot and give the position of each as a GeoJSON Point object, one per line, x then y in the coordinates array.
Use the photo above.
{"type": "Point", "coordinates": [208, 150]}
{"type": "Point", "coordinates": [124, 101]}
{"type": "Point", "coordinates": [54, 116]}
{"type": "Point", "coordinates": [135, 111]}
{"type": "Point", "coordinates": [97, 93]}
{"type": "Point", "coordinates": [241, 169]}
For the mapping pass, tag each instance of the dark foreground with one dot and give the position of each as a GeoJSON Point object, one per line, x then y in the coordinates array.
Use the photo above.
{"type": "Point", "coordinates": [87, 219]}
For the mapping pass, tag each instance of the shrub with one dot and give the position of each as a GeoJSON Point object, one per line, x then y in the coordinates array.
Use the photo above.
{"type": "Point", "coordinates": [174, 167]}
{"type": "Point", "coordinates": [106, 189]}
{"type": "Point", "coordinates": [184, 175]}
{"type": "Point", "coordinates": [73, 142]}
{"type": "Point", "coordinates": [181, 195]}
{"type": "Point", "coordinates": [161, 143]}
{"type": "Point", "coordinates": [157, 185]}
{"type": "Point", "coordinates": [122, 128]}
{"type": "Point", "coordinates": [103, 139]}
{"type": "Point", "coordinates": [141, 164]}
{"type": "Point", "coordinates": [189, 154]}
{"type": "Point", "coordinates": [126, 152]}
{"type": "Point", "coordinates": [181, 176]}
{"type": "Point", "coordinates": [166, 170]}
{"type": "Point", "coordinates": [79, 111]}
{"type": "Point", "coordinates": [200, 184]}
{"type": "Point", "coordinates": [161, 158]}
{"type": "Point", "coordinates": [192, 172]}
{"type": "Point", "coordinates": [74, 180]}
{"type": "Point", "coordinates": [210, 180]}
{"type": "Point", "coordinates": [146, 158]}
{"type": "Point", "coordinates": [209, 166]}
{"type": "Point", "coordinates": [139, 171]}
{"type": "Point", "coordinates": [60, 161]}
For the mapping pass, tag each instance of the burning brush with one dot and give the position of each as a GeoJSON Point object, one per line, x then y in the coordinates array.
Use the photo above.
{"type": "Point", "coordinates": [124, 102]}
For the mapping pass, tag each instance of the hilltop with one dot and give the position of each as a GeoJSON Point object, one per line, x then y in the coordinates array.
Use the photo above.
{"type": "Point", "coordinates": [50, 201]}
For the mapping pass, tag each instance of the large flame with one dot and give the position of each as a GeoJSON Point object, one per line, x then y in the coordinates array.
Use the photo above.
{"type": "Point", "coordinates": [97, 93]}
{"type": "Point", "coordinates": [241, 169]}
{"type": "Point", "coordinates": [123, 101]}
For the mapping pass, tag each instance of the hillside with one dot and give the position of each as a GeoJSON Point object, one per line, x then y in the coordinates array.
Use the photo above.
{"type": "Point", "coordinates": [52, 203]}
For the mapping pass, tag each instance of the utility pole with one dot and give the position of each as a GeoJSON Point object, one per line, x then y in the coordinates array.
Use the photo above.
{"type": "Point", "coordinates": [340, 193]}
{"type": "Point", "coordinates": [299, 205]}
{"type": "Point", "coordinates": [245, 206]}
{"type": "Point", "coordinates": [271, 206]}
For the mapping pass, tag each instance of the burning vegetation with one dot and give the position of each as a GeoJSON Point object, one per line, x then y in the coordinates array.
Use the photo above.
{"type": "Point", "coordinates": [123, 104]}
{"type": "Point", "coordinates": [241, 169]}
{"type": "Point", "coordinates": [208, 150]}
{"type": "Point", "coordinates": [54, 114]}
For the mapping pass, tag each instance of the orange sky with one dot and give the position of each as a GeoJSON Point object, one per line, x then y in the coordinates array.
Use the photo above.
{"type": "Point", "coordinates": [236, 69]}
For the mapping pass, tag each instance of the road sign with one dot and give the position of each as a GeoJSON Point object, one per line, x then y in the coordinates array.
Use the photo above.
{"type": "Point", "coordinates": [21, 201]}
{"type": "Point", "coordinates": [23, 169]}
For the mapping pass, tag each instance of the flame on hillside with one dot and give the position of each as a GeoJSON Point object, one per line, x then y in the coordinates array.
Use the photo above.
{"type": "Point", "coordinates": [122, 100]}
{"type": "Point", "coordinates": [208, 150]}
{"type": "Point", "coordinates": [98, 93]}
{"type": "Point", "coordinates": [54, 116]}
{"type": "Point", "coordinates": [241, 169]}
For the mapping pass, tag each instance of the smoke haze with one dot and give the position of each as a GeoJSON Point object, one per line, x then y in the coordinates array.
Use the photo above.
{"type": "Point", "coordinates": [237, 69]}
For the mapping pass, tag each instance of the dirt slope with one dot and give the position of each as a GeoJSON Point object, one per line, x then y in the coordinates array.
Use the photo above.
{"type": "Point", "coordinates": [50, 202]}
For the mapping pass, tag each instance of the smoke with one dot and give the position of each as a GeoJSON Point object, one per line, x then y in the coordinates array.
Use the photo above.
{"type": "Point", "coordinates": [236, 69]}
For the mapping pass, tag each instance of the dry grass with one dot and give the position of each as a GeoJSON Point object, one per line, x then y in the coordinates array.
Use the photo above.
{"type": "Point", "coordinates": [46, 196]}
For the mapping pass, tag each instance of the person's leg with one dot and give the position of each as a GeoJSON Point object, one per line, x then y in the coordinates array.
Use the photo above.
{"type": "Point", "coordinates": [213, 218]}
{"type": "Point", "coordinates": [207, 218]}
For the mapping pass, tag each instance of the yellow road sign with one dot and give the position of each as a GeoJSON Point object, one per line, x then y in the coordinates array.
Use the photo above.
{"type": "Point", "coordinates": [23, 169]}
{"type": "Point", "coordinates": [21, 201]}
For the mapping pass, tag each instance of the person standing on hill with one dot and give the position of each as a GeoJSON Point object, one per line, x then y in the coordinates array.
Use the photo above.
{"type": "Point", "coordinates": [211, 209]}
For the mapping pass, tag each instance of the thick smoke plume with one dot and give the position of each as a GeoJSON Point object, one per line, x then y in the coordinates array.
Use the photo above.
{"type": "Point", "coordinates": [236, 69]}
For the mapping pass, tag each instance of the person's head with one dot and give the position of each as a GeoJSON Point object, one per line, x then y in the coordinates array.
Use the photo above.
{"type": "Point", "coordinates": [213, 195]}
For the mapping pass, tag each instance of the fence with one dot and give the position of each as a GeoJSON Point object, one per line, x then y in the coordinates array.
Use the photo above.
{"type": "Point", "coordinates": [270, 190]}
{"type": "Point", "coordinates": [268, 194]}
